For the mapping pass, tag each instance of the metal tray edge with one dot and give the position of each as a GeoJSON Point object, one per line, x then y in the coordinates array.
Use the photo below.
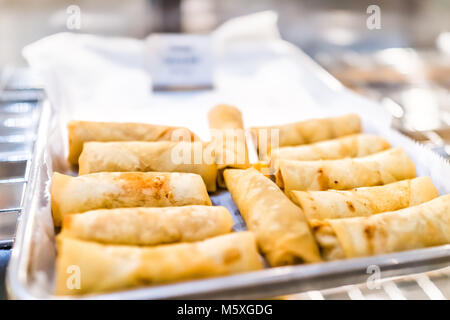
{"type": "Point", "coordinates": [17, 268]}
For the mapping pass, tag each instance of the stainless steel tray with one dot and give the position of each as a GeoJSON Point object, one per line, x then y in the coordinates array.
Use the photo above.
{"type": "Point", "coordinates": [31, 270]}
{"type": "Point", "coordinates": [30, 273]}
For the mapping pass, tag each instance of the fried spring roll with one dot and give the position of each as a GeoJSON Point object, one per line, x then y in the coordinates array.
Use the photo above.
{"type": "Point", "coordinates": [149, 226]}
{"type": "Point", "coordinates": [425, 225]}
{"type": "Point", "coordinates": [308, 131]}
{"type": "Point", "coordinates": [352, 146]}
{"type": "Point", "coordinates": [108, 190]}
{"type": "Point", "coordinates": [84, 131]}
{"type": "Point", "coordinates": [380, 168]}
{"type": "Point", "coordinates": [104, 268]}
{"type": "Point", "coordinates": [366, 201]}
{"type": "Point", "coordinates": [280, 227]}
{"type": "Point", "coordinates": [165, 156]}
{"type": "Point", "coordinates": [228, 137]}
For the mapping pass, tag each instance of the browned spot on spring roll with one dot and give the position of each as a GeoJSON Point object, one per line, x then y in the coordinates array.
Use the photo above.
{"type": "Point", "coordinates": [108, 190]}
{"type": "Point", "coordinates": [164, 156]}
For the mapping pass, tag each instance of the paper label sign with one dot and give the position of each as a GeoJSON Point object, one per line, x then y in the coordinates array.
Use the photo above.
{"type": "Point", "coordinates": [180, 61]}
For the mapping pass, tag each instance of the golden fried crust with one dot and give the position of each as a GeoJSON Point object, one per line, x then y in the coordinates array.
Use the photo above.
{"type": "Point", "coordinates": [380, 168]}
{"type": "Point", "coordinates": [108, 190]}
{"type": "Point", "coordinates": [164, 156]}
{"type": "Point", "coordinates": [80, 132]}
{"type": "Point", "coordinates": [312, 130]}
{"type": "Point", "coordinates": [104, 268]}
{"type": "Point", "coordinates": [366, 201]}
{"type": "Point", "coordinates": [230, 146]}
{"type": "Point", "coordinates": [225, 117]}
{"type": "Point", "coordinates": [352, 146]}
{"type": "Point", "coordinates": [421, 226]}
{"type": "Point", "coordinates": [149, 226]}
{"type": "Point", "coordinates": [280, 227]}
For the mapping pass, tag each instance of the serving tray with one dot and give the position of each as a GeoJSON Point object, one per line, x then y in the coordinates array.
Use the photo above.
{"type": "Point", "coordinates": [31, 270]}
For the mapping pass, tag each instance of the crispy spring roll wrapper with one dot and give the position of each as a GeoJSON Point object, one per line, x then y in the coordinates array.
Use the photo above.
{"type": "Point", "coordinates": [308, 131]}
{"type": "Point", "coordinates": [366, 201]}
{"type": "Point", "coordinates": [108, 190]}
{"type": "Point", "coordinates": [378, 169]}
{"type": "Point", "coordinates": [280, 227]}
{"type": "Point", "coordinates": [228, 137]}
{"type": "Point", "coordinates": [149, 226]}
{"type": "Point", "coordinates": [352, 146]}
{"type": "Point", "coordinates": [421, 226]}
{"type": "Point", "coordinates": [104, 268]}
{"type": "Point", "coordinates": [223, 117]}
{"type": "Point", "coordinates": [164, 156]}
{"type": "Point", "coordinates": [84, 131]}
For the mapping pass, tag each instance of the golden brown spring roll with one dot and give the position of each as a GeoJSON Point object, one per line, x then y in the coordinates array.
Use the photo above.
{"type": "Point", "coordinates": [108, 190]}
{"type": "Point", "coordinates": [308, 131]}
{"type": "Point", "coordinates": [149, 226]}
{"type": "Point", "coordinates": [380, 168]}
{"type": "Point", "coordinates": [280, 227]}
{"type": "Point", "coordinates": [164, 156]}
{"type": "Point", "coordinates": [228, 137]}
{"type": "Point", "coordinates": [366, 201]}
{"type": "Point", "coordinates": [84, 131]}
{"type": "Point", "coordinates": [352, 146]}
{"type": "Point", "coordinates": [103, 268]}
{"type": "Point", "coordinates": [425, 225]}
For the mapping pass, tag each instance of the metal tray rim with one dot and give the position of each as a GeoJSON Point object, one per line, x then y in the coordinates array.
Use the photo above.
{"type": "Point", "coordinates": [212, 288]}
{"type": "Point", "coordinates": [18, 263]}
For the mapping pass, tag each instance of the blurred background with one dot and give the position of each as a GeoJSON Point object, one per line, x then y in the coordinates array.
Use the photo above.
{"type": "Point", "coordinates": [314, 25]}
{"type": "Point", "coordinates": [404, 64]}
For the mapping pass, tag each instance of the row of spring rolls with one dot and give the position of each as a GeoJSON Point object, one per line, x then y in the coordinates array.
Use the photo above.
{"type": "Point", "coordinates": [337, 224]}
{"type": "Point", "coordinates": [123, 230]}
{"type": "Point", "coordinates": [123, 147]}
{"type": "Point", "coordinates": [382, 167]}
{"type": "Point", "coordinates": [125, 225]}
{"type": "Point", "coordinates": [321, 178]}
{"type": "Point", "coordinates": [284, 233]}
{"type": "Point", "coordinates": [139, 213]}
{"type": "Point", "coordinates": [318, 227]}
{"type": "Point", "coordinates": [109, 147]}
{"type": "Point", "coordinates": [105, 267]}
{"type": "Point", "coordinates": [221, 117]}
{"type": "Point", "coordinates": [361, 198]}
{"type": "Point", "coordinates": [281, 227]}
